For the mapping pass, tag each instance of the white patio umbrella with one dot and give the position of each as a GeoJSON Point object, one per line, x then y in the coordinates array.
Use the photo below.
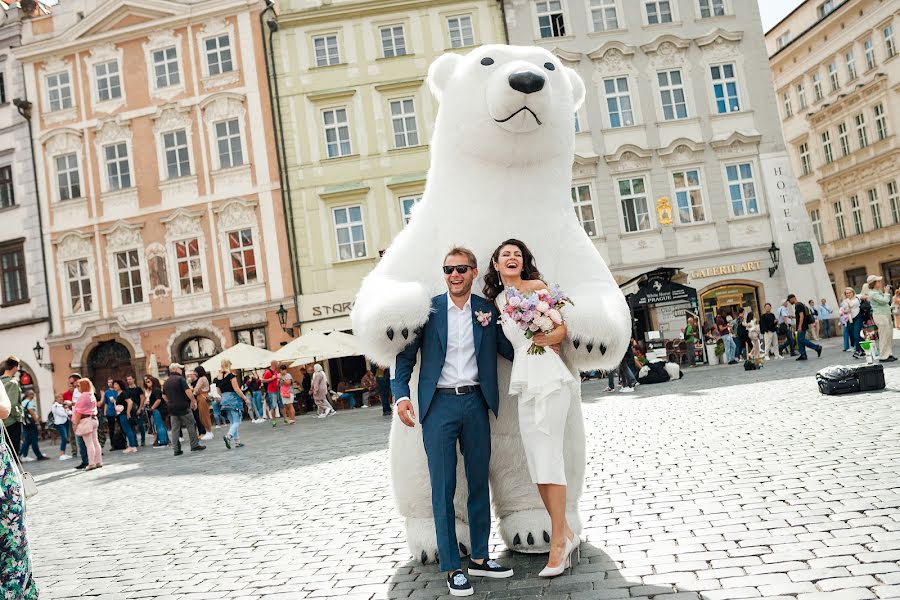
{"type": "Point", "coordinates": [153, 365]}
{"type": "Point", "coordinates": [242, 356]}
{"type": "Point", "coordinates": [318, 346]}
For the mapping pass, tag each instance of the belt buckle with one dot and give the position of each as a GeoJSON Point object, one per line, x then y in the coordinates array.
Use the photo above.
{"type": "Point", "coordinates": [456, 391]}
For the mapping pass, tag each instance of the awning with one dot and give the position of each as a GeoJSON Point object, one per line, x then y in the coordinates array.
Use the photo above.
{"type": "Point", "coordinates": [317, 346]}
{"type": "Point", "coordinates": [242, 356]}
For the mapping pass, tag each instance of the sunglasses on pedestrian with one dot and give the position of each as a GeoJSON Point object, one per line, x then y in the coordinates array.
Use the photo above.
{"type": "Point", "coordinates": [461, 269]}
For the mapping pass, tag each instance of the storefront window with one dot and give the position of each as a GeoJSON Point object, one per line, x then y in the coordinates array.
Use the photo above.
{"type": "Point", "coordinates": [892, 274]}
{"type": "Point", "coordinates": [856, 278]}
{"type": "Point", "coordinates": [730, 297]}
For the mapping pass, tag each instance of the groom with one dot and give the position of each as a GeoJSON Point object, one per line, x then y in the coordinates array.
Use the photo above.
{"type": "Point", "coordinates": [457, 387]}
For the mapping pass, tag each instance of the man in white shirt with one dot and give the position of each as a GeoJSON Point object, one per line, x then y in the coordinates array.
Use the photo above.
{"type": "Point", "coordinates": [786, 328]}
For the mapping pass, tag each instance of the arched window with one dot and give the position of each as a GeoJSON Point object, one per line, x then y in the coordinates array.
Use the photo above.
{"type": "Point", "coordinates": [195, 350]}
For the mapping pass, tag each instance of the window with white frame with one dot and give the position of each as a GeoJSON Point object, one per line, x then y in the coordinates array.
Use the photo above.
{"type": "Point", "coordinates": [862, 133]}
{"type": "Point", "coordinates": [890, 47]}
{"type": "Point", "coordinates": [337, 132]}
{"type": "Point", "coordinates": [805, 165]}
{"type": "Point", "coordinates": [894, 201]}
{"type": "Point", "coordinates": [851, 66]}
{"type": "Point", "coordinates": [187, 263]}
{"type": "Point", "coordinates": [880, 121]}
{"type": "Point", "coordinates": [671, 92]}
{"type": "Point", "coordinates": [869, 48]}
{"type": "Point", "coordinates": [856, 214]}
{"type": "Point", "coordinates": [78, 278]}
{"type": "Point", "coordinates": [118, 170]}
{"type": "Point", "coordinates": [844, 139]}
{"type": "Point", "coordinates": [326, 48]}
{"type": "Point", "coordinates": [13, 273]}
{"type": "Point", "coordinates": [833, 77]}
{"type": "Point", "coordinates": [128, 272]}
{"type": "Point", "coordinates": [826, 147]}
{"type": "Point", "coordinates": [788, 105]}
{"type": "Point", "coordinates": [840, 227]}
{"type": "Point", "coordinates": [393, 41]}
{"type": "Point", "coordinates": [688, 196]}
{"type": "Point", "coordinates": [658, 11]}
{"type": "Point", "coordinates": [801, 95]}
{"type": "Point", "coordinates": [403, 119]}
{"type": "Point", "coordinates": [109, 82]}
{"type": "Point", "coordinates": [228, 143]}
{"type": "Point", "coordinates": [875, 208]}
{"type": "Point", "coordinates": [817, 86]}
{"type": "Point", "coordinates": [742, 189]}
{"type": "Point", "coordinates": [406, 206]}
{"type": "Point", "coordinates": [725, 88]}
{"type": "Point", "coordinates": [68, 181]}
{"type": "Point", "coordinates": [817, 225]}
{"type": "Point", "coordinates": [618, 102]}
{"type": "Point", "coordinates": [349, 232]}
{"type": "Point", "coordinates": [218, 54]}
{"type": "Point", "coordinates": [604, 14]}
{"type": "Point", "coordinates": [635, 208]}
{"type": "Point", "coordinates": [551, 22]}
{"type": "Point", "coordinates": [165, 67]}
{"type": "Point", "coordinates": [7, 190]}
{"type": "Point", "coordinates": [782, 40]}
{"type": "Point", "coordinates": [583, 201]}
{"type": "Point", "coordinates": [712, 8]}
{"type": "Point", "coordinates": [242, 252]}
{"type": "Point", "coordinates": [175, 146]}
{"type": "Point", "coordinates": [59, 91]}
{"type": "Point", "coordinates": [826, 7]}
{"type": "Point", "coordinates": [460, 31]}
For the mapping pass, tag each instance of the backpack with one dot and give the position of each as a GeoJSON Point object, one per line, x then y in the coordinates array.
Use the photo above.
{"type": "Point", "coordinates": [749, 365]}
{"type": "Point", "coordinates": [26, 413]}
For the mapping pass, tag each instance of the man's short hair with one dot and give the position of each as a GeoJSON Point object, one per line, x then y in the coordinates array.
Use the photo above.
{"type": "Point", "coordinates": [77, 376]}
{"type": "Point", "coordinates": [10, 363]}
{"type": "Point", "coordinates": [769, 304]}
{"type": "Point", "coordinates": [460, 251]}
{"type": "Point", "coordinates": [791, 297]}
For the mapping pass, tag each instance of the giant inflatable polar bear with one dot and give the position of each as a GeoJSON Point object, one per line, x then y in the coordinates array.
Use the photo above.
{"type": "Point", "coordinates": [501, 160]}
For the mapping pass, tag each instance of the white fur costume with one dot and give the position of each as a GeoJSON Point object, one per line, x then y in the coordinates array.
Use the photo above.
{"type": "Point", "coordinates": [491, 178]}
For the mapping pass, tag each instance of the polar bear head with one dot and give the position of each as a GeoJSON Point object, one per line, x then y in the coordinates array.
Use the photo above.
{"type": "Point", "coordinates": [511, 105]}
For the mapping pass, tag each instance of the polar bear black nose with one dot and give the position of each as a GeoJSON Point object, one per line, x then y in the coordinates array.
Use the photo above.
{"type": "Point", "coordinates": [526, 82]}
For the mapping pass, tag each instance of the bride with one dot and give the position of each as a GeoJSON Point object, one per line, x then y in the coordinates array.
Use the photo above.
{"type": "Point", "coordinates": [545, 388]}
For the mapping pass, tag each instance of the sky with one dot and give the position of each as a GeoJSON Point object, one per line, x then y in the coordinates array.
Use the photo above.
{"type": "Point", "coordinates": [773, 11]}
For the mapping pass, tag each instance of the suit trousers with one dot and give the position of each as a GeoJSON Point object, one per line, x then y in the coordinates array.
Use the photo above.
{"type": "Point", "coordinates": [186, 421]}
{"type": "Point", "coordinates": [464, 420]}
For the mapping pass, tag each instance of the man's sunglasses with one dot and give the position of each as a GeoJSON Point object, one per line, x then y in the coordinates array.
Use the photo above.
{"type": "Point", "coordinates": [461, 269]}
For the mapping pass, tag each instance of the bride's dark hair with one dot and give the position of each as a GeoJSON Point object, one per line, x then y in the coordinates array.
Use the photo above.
{"type": "Point", "coordinates": [492, 284]}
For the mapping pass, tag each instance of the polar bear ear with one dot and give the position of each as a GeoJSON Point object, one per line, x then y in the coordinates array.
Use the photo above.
{"type": "Point", "coordinates": [441, 71]}
{"type": "Point", "coordinates": [577, 87]}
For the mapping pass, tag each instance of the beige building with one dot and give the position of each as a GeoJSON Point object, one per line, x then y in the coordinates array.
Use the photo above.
{"type": "Point", "coordinates": [836, 74]}
{"type": "Point", "coordinates": [159, 180]}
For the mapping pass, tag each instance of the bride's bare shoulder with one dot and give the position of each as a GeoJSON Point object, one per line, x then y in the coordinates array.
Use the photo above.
{"type": "Point", "coordinates": [534, 285]}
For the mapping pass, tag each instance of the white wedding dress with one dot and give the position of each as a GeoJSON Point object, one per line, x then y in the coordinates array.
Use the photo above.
{"type": "Point", "coordinates": [545, 388]}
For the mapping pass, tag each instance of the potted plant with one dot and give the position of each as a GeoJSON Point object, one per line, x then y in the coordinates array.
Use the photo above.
{"type": "Point", "coordinates": [716, 357]}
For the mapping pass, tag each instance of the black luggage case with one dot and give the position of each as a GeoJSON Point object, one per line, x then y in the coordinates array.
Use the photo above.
{"type": "Point", "coordinates": [871, 377]}
{"type": "Point", "coordinates": [834, 387]}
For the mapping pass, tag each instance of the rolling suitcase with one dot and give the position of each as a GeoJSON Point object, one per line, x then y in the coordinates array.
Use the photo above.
{"type": "Point", "coordinates": [871, 377]}
{"type": "Point", "coordinates": [836, 380]}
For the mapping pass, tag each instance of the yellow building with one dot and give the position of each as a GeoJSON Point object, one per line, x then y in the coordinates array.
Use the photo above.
{"type": "Point", "coordinates": [356, 120]}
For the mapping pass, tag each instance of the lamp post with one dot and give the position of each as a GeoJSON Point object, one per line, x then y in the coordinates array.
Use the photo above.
{"type": "Point", "coordinates": [775, 255]}
{"type": "Point", "coordinates": [39, 356]}
{"type": "Point", "coordinates": [282, 319]}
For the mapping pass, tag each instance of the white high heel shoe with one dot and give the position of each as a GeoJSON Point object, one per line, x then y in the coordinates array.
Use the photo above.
{"type": "Point", "coordinates": [566, 563]}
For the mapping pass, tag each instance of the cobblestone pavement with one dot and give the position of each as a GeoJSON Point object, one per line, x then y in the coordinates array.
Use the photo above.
{"type": "Point", "coordinates": [726, 484]}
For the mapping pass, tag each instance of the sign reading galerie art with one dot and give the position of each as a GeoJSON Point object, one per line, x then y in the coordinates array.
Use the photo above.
{"type": "Point", "coordinates": [752, 265]}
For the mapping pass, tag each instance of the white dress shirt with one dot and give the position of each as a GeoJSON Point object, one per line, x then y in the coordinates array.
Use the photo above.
{"type": "Point", "coordinates": [460, 366]}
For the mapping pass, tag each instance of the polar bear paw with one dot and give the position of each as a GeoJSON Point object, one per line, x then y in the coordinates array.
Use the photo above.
{"type": "Point", "coordinates": [387, 315]}
{"type": "Point", "coordinates": [599, 326]}
{"type": "Point", "coordinates": [422, 540]}
{"type": "Point", "coordinates": [528, 531]}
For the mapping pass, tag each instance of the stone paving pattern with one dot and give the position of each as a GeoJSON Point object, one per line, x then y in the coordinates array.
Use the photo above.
{"type": "Point", "coordinates": [726, 484]}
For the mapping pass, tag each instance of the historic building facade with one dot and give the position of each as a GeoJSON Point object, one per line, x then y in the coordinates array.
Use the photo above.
{"type": "Point", "coordinates": [837, 71]}
{"type": "Point", "coordinates": [159, 181]}
{"type": "Point", "coordinates": [680, 162]}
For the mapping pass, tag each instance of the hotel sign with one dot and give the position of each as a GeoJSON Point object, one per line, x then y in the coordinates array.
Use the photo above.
{"type": "Point", "coordinates": [752, 265]}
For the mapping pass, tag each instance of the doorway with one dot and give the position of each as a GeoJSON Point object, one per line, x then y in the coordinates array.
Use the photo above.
{"type": "Point", "coordinates": [108, 360]}
{"type": "Point", "coordinates": [731, 297]}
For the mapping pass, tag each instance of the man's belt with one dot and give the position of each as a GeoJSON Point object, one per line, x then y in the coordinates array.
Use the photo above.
{"type": "Point", "coordinates": [459, 391]}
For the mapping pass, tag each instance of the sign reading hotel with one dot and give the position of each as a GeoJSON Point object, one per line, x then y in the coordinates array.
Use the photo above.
{"type": "Point", "coordinates": [314, 307]}
{"type": "Point", "coordinates": [752, 265]}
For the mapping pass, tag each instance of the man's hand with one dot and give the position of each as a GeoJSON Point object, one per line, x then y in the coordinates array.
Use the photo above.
{"type": "Point", "coordinates": [406, 413]}
{"type": "Point", "coordinates": [194, 405]}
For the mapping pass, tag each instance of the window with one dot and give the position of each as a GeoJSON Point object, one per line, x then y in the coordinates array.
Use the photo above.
{"type": "Point", "coordinates": [393, 41]}
{"type": "Point", "coordinates": [894, 201]}
{"type": "Point", "coordinates": [187, 263]}
{"type": "Point", "coordinates": [67, 179]}
{"type": "Point", "coordinates": [742, 189]}
{"type": "Point", "coordinates": [844, 139]}
{"type": "Point", "coordinates": [805, 165]}
{"type": "Point", "coordinates": [688, 196]}
{"type": "Point", "coordinates": [725, 88]}
{"type": "Point", "coordinates": [326, 47]}
{"type": "Point", "coordinates": [165, 67]}
{"type": "Point", "coordinates": [618, 102]}
{"type": "Point", "coordinates": [856, 212]}
{"type": "Point", "coordinates": [460, 31]}
{"type": "Point", "coordinates": [59, 91]}
{"type": "Point", "coordinates": [782, 40]}
{"type": "Point", "coordinates": [7, 194]}
{"type": "Point", "coordinates": [243, 256]}
{"type": "Point", "coordinates": [658, 12]}
{"type": "Point", "coordinates": [349, 232]}
{"type": "Point", "coordinates": [851, 66]}
{"type": "Point", "coordinates": [337, 132]}
{"type": "Point", "coordinates": [833, 77]}
{"type": "Point", "coordinates": [228, 142]}
{"type": "Point", "coordinates": [12, 271]}
{"type": "Point", "coordinates": [79, 280]}
{"type": "Point", "coordinates": [817, 86]}
{"type": "Point", "coordinates": [195, 351]}
{"type": "Point", "coordinates": [801, 95]}
{"type": "Point", "coordinates": [712, 8]}
{"type": "Point", "coordinates": [862, 133]}
{"type": "Point", "coordinates": [838, 208]}
{"type": "Point", "coordinates": [2, 88]}
{"type": "Point", "coordinates": [582, 200]}
{"type": "Point", "coordinates": [870, 54]}
{"type": "Point", "coordinates": [604, 15]}
{"type": "Point", "coordinates": [109, 84]}
{"type": "Point", "coordinates": [671, 91]}
{"type": "Point", "coordinates": [406, 206]}
{"type": "Point", "coordinates": [577, 123]}
{"type": "Point", "coordinates": [218, 55]}
{"type": "Point", "coordinates": [178, 163]}
{"type": "Point", "coordinates": [633, 197]}
{"type": "Point", "coordinates": [403, 117]}
{"type": "Point", "coordinates": [875, 208]}
{"type": "Point", "coordinates": [880, 121]}
{"type": "Point", "coordinates": [890, 47]}
{"type": "Point", "coordinates": [254, 336]}
{"type": "Point", "coordinates": [128, 269]}
{"type": "Point", "coordinates": [788, 106]}
{"type": "Point", "coordinates": [118, 172]}
{"type": "Point", "coordinates": [826, 147]}
{"type": "Point", "coordinates": [550, 18]}
{"type": "Point", "coordinates": [817, 225]}
{"type": "Point", "coordinates": [825, 8]}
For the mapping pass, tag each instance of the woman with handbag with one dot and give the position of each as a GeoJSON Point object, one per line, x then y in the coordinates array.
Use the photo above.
{"type": "Point", "coordinates": [201, 393]}
{"type": "Point", "coordinates": [84, 416]}
{"type": "Point", "coordinates": [233, 400]}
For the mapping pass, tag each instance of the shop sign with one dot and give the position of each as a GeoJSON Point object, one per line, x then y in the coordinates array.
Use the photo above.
{"type": "Point", "coordinates": [752, 265]}
{"type": "Point", "coordinates": [664, 211]}
{"type": "Point", "coordinates": [326, 306]}
{"type": "Point", "coordinates": [658, 291]}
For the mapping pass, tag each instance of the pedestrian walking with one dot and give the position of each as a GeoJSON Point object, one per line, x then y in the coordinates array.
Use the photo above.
{"type": "Point", "coordinates": [233, 400]}
{"type": "Point", "coordinates": [139, 408]}
{"type": "Point", "coordinates": [84, 419]}
{"type": "Point", "coordinates": [125, 408]}
{"type": "Point", "coordinates": [881, 301]}
{"type": "Point", "coordinates": [768, 327]}
{"type": "Point", "coordinates": [157, 408]}
{"type": "Point", "coordinates": [251, 384]}
{"type": "Point", "coordinates": [15, 416]}
{"type": "Point", "coordinates": [61, 416]}
{"type": "Point", "coordinates": [850, 306]}
{"type": "Point", "coordinates": [814, 319]}
{"type": "Point", "coordinates": [786, 324]}
{"type": "Point", "coordinates": [270, 383]}
{"type": "Point", "coordinates": [725, 335]}
{"type": "Point", "coordinates": [741, 334]}
{"type": "Point", "coordinates": [320, 392]}
{"type": "Point", "coordinates": [825, 313]}
{"type": "Point", "coordinates": [30, 431]}
{"type": "Point", "coordinates": [286, 394]}
{"type": "Point", "coordinates": [801, 313]}
{"type": "Point", "coordinates": [179, 399]}
{"type": "Point", "coordinates": [201, 393]}
{"type": "Point", "coordinates": [109, 412]}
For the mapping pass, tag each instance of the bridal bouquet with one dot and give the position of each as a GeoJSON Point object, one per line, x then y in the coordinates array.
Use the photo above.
{"type": "Point", "coordinates": [535, 312]}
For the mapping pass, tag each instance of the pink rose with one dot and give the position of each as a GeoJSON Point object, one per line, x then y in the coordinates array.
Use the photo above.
{"type": "Point", "coordinates": [554, 316]}
{"type": "Point", "coordinates": [515, 301]}
{"type": "Point", "coordinates": [542, 307]}
{"type": "Point", "coordinates": [534, 326]}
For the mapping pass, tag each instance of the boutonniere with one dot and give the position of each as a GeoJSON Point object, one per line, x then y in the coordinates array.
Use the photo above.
{"type": "Point", "coordinates": [483, 317]}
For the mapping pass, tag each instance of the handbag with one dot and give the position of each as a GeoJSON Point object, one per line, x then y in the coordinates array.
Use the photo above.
{"type": "Point", "coordinates": [85, 426]}
{"type": "Point", "coordinates": [26, 480]}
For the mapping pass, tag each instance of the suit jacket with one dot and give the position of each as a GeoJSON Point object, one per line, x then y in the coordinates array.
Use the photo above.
{"type": "Point", "coordinates": [432, 341]}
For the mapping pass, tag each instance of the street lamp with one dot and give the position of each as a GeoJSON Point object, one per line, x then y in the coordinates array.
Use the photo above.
{"type": "Point", "coordinates": [39, 356]}
{"type": "Point", "coordinates": [774, 254]}
{"type": "Point", "coordinates": [282, 319]}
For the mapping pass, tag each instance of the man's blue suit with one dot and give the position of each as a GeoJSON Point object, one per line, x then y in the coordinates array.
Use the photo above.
{"type": "Point", "coordinates": [449, 419]}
